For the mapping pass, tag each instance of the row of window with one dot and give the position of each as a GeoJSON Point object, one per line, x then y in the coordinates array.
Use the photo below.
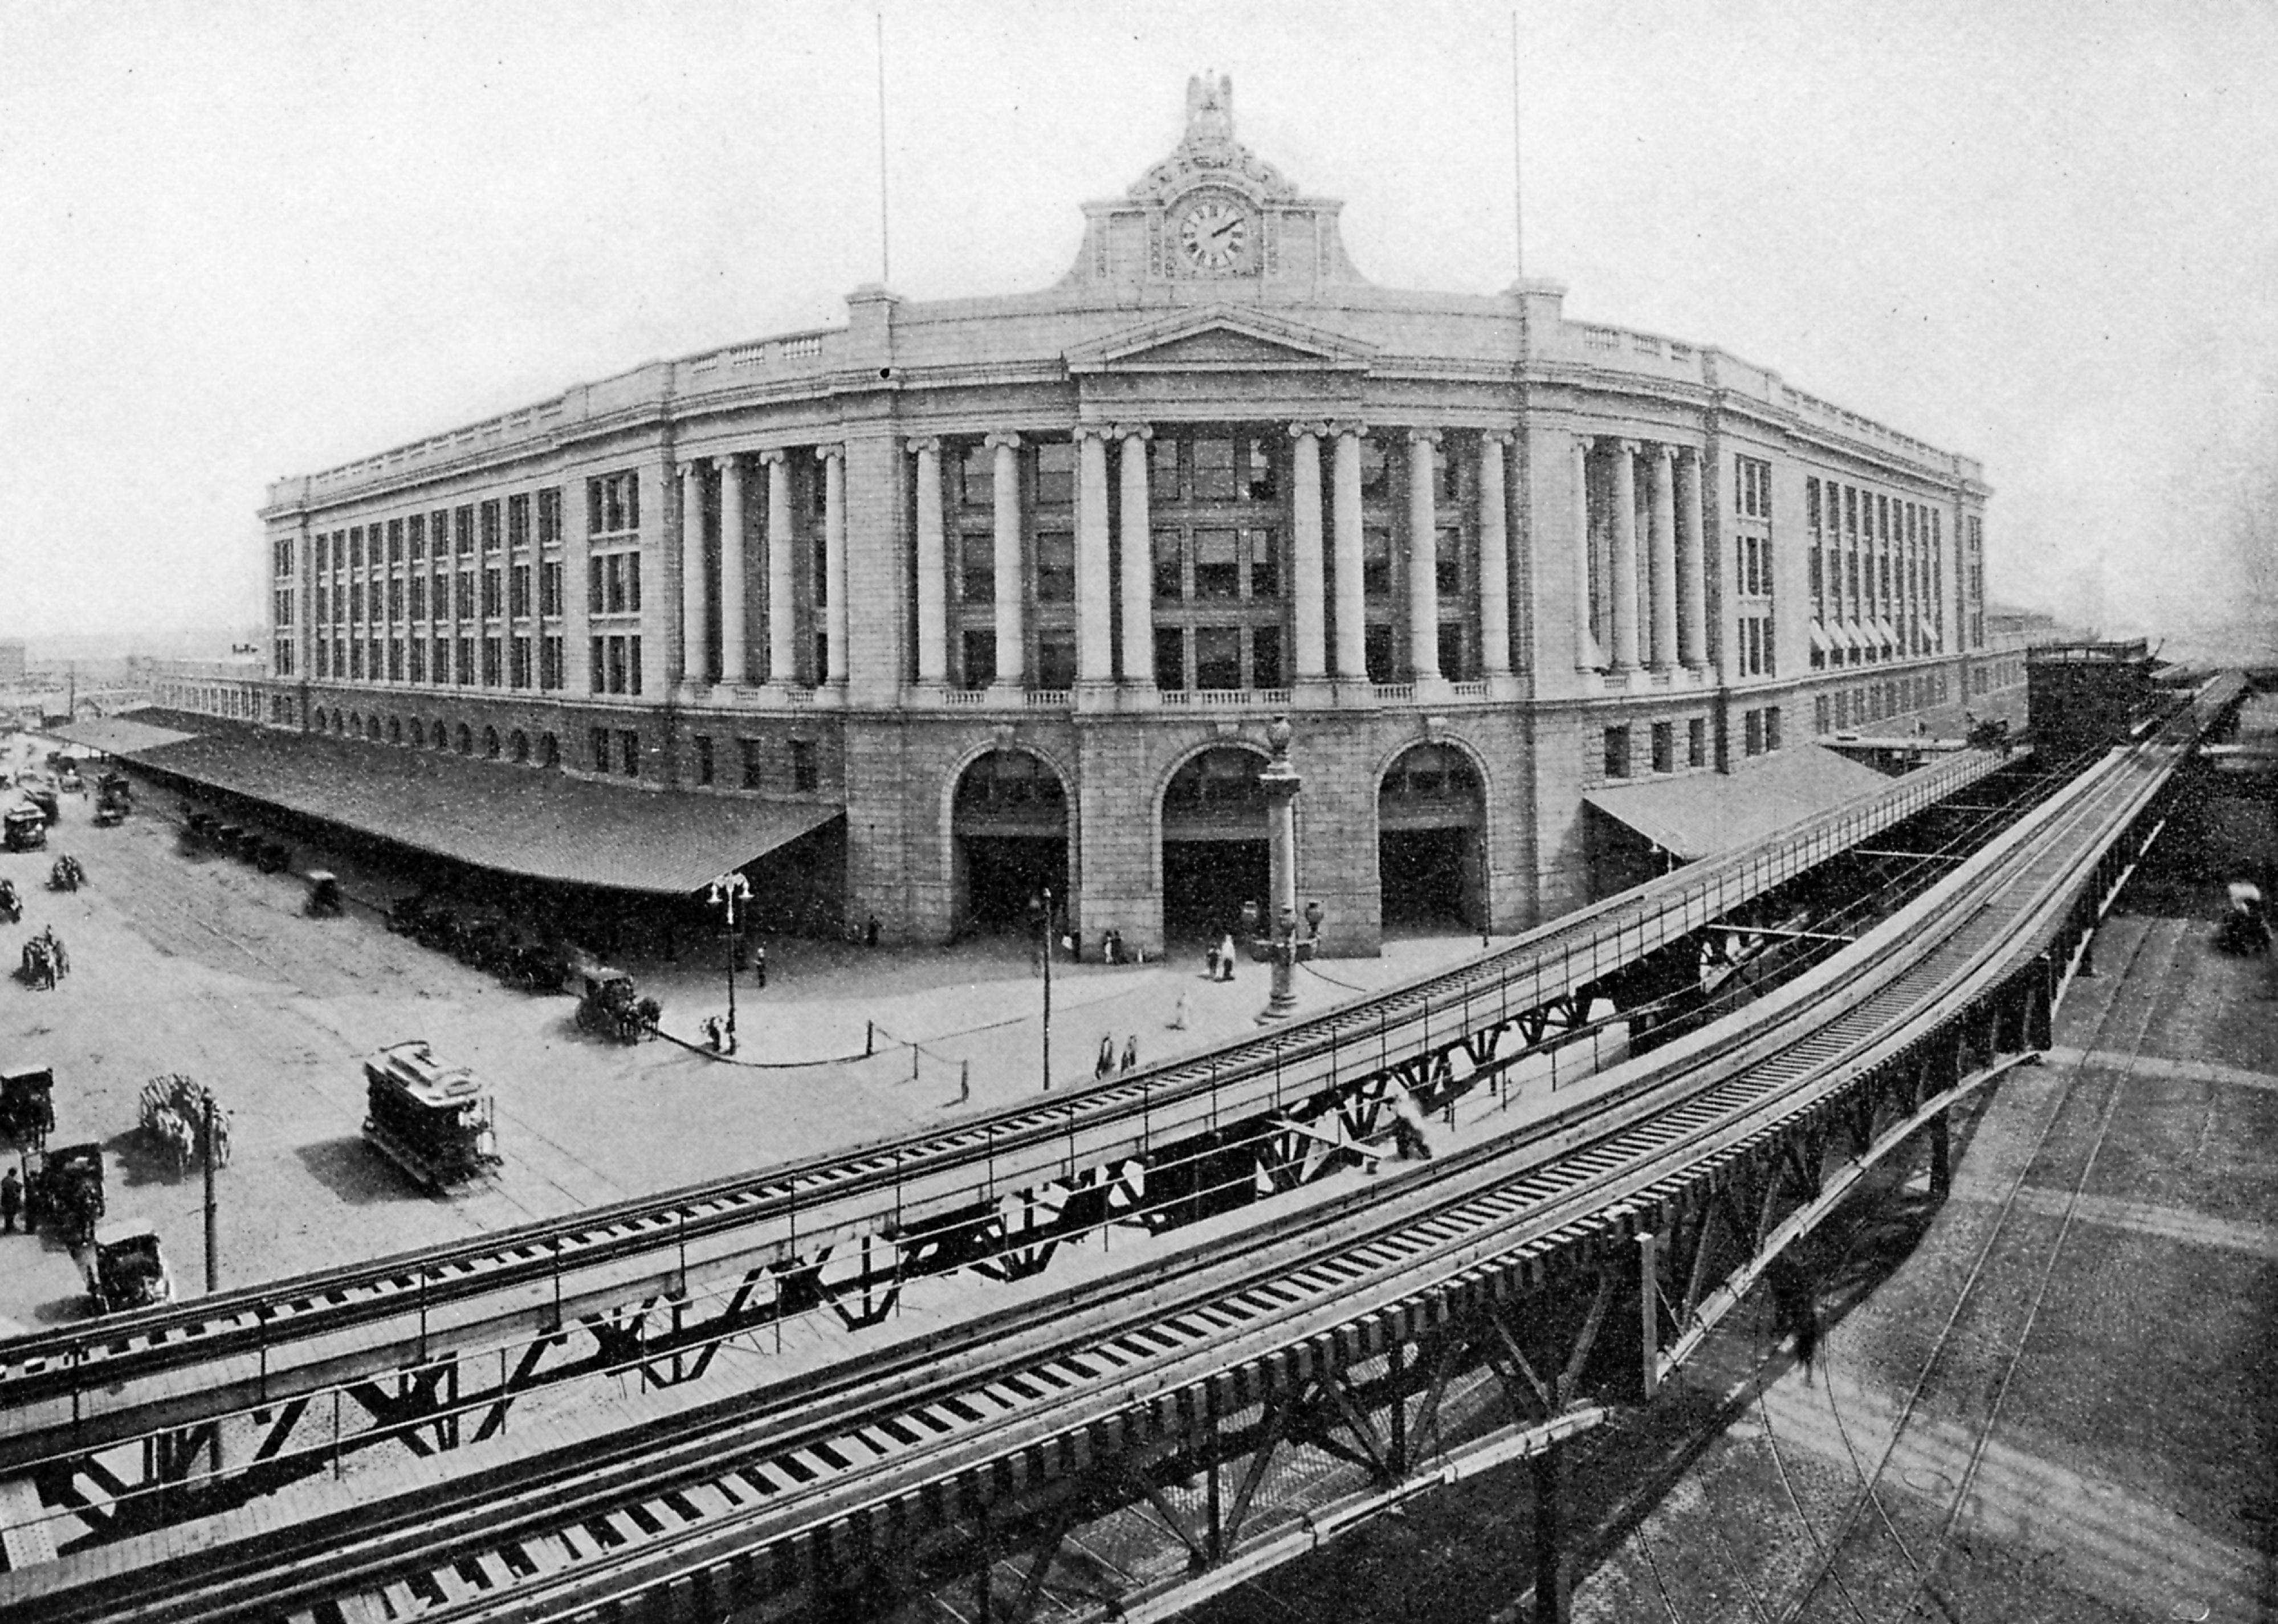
{"type": "Point", "coordinates": [488, 594]}
{"type": "Point", "coordinates": [487, 662]}
{"type": "Point", "coordinates": [806, 775]}
{"type": "Point", "coordinates": [1619, 762]}
{"type": "Point", "coordinates": [500, 521]}
{"type": "Point", "coordinates": [515, 745]}
{"type": "Point", "coordinates": [1847, 708]}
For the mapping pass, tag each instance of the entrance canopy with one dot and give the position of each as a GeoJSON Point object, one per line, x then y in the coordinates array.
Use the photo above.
{"type": "Point", "coordinates": [533, 822]}
{"type": "Point", "coordinates": [1709, 813]}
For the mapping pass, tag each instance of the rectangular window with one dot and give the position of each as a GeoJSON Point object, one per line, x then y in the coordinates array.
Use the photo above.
{"type": "Point", "coordinates": [804, 775]}
{"type": "Point", "coordinates": [1055, 570]}
{"type": "Point", "coordinates": [1376, 653]}
{"type": "Point", "coordinates": [490, 512]}
{"type": "Point", "coordinates": [1218, 657]}
{"type": "Point", "coordinates": [1375, 471]}
{"type": "Point", "coordinates": [980, 658]}
{"type": "Point", "coordinates": [1447, 564]}
{"type": "Point", "coordinates": [490, 673]}
{"type": "Point", "coordinates": [549, 517]}
{"type": "Point", "coordinates": [1754, 723]}
{"type": "Point", "coordinates": [517, 521]}
{"type": "Point", "coordinates": [977, 476]}
{"type": "Point", "coordinates": [1214, 470]}
{"type": "Point", "coordinates": [1618, 752]}
{"type": "Point", "coordinates": [976, 571]}
{"type": "Point", "coordinates": [1264, 569]}
{"type": "Point", "coordinates": [356, 602]}
{"type": "Point", "coordinates": [466, 661]}
{"type": "Point", "coordinates": [517, 666]}
{"type": "Point", "coordinates": [1375, 562]}
{"type": "Point", "coordinates": [1258, 478]}
{"type": "Point", "coordinates": [594, 604]}
{"type": "Point", "coordinates": [1169, 585]}
{"type": "Point", "coordinates": [749, 749]}
{"type": "Point", "coordinates": [415, 660]}
{"type": "Point", "coordinates": [462, 528]}
{"type": "Point", "coordinates": [597, 741]}
{"type": "Point", "coordinates": [632, 584]}
{"type": "Point", "coordinates": [490, 594]}
{"type": "Point", "coordinates": [440, 671]}
{"type": "Point", "coordinates": [518, 591]}
{"type": "Point", "coordinates": [1664, 746]}
{"type": "Point", "coordinates": [356, 659]}
{"type": "Point", "coordinates": [1055, 660]}
{"type": "Point", "coordinates": [1696, 743]}
{"type": "Point", "coordinates": [355, 547]}
{"type": "Point", "coordinates": [612, 503]}
{"type": "Point", "coordinates": [703, 758]}
{"type": "Point", "coordinates": [1163, 472]}
{"type": "Point", "coordinates": [1265, 657]}
{"type": "Point", "coordinates": [613, 572]}
{"type": "Point", "coordinates": [549, 589]}
{"type": "Point", "coordinates": [599, 667]}
{"type": "Point", "coordinates": [395, 541]}
{"type": "Point", "coordinates": [628, 752]}
{"type": "Point", "coordinates": [616, 651]}
{"type": "Point", "coordinates": [1454, 662]}
{"type": "Point", "coordinates": [1771, 728]}
{"type": "Point", "coordinates": [550, 673]}
{"type": "Point", "coordinates": [395, 600]}
{"type": "Point", "coordinates": [1218, 568]}
{"type": "Point", "coordinates": [1056, 474]}
{"type": "Point", "coordinates": [1170, 658]}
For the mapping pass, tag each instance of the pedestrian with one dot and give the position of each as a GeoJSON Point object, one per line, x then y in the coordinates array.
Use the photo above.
{"type": "Point", "coordinates": [1131, 1053]}
{"type": "Point", "coordinates": [759, 964]}
{"type": "Point", "coordinates": [1184, 1013]}
{"type": "Point", "coordinates": [870, 933]}
{"type": "Point", "coordinates": [1210, 961]}
{"type": "Point", "coordinates": [1106, 1064]}
{"type": "Point", "coordinates": [11, 1202]}
{"type": "Point", "coordinates": [1225, 959]}
{"type": "Point", "coordinates": [712, 1032]}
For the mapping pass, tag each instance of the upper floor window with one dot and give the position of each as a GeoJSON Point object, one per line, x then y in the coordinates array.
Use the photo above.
{"type": "Point", "coordinates": [612, 503]}
{"type": "Point", "coordinates": [517, 521]}
{"type": "Point", "coordinates": [395, 541]}
{"type": "Point", "coordinates": [1056, 474]}
{"type": "Point", "coordinates": [1752, 488]}
{"type": "Point", "coordinates": [549, 517]}
{"type": "Point", "coordinates": [1055, 566]}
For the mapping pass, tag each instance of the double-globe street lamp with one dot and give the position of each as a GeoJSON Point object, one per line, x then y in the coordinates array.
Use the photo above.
{"type": "Point", "coordinates": [1280, 781]}
{"type": "Point", "coordinates": [726, 891]}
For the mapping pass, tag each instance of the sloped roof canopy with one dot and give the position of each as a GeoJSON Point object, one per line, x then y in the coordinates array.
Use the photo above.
{"type": "Point", "coordinates": [1707, 812]}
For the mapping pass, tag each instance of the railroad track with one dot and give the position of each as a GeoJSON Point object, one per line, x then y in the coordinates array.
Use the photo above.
{"type": "Point", "coordinates": [47, 1375]}
{"type": "Point", "coordinates": [724, 1495]}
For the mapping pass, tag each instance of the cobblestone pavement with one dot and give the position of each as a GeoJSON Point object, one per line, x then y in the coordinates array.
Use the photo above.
{"type": "Point", "coordinates": [196, 963]}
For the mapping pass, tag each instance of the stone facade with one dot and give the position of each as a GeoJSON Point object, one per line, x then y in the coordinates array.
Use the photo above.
{"type": "Point", "coordinates": [1113, 529]}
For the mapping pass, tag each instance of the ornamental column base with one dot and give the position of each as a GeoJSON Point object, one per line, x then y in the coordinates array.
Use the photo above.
{"type": "Point", "coordinates": [1313, 693]}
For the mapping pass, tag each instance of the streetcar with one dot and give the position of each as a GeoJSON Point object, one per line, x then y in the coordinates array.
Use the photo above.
{"type": "Point", "coordinates": [433, 1120]}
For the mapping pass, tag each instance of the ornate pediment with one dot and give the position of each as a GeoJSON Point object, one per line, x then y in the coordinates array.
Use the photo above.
{"type": "Point", "coordinates": [1222, 338]}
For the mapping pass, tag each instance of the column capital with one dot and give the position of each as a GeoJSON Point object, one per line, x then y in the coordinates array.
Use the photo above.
{"type": "Point", "coordinates": [774, 454]}
{"type": "Point", "coordinates": [1003, 440]}
{"type": "Point", "coordinates": [1664, 452]}
{"type": "Point", "coordinates": [923, 445]}
{"type": "Point", "coordinates": [833, 453]}
{"type": "Point", "coordinates": [1629, 447]}
{"type": "Point", "coordinates": [1100, 431]}
{"type": "Point", "coordinates": [693, 466]}
{"type": "Point", "coordinates": [1351, 428]}
{"type": "Point", "coordinates": [1498, 436]}
{"type": "Point", "coordinates": [1318, 429]}
{"type": "Point", "coordinates": [1134, 430]}
{"type": "Point", "coordinates": [1423, 436]}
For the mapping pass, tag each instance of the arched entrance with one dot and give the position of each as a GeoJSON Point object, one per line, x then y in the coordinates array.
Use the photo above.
{"type": "Point", "coordinates": [1431, 824]}
{"type": "Point", "coordinates": [1008, 826]}
{"type": "Point", "coordinates": [1214, 845]}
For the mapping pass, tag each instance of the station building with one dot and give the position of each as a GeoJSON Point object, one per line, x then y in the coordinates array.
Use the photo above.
{"type": "Point", "coordinates": [1004, 591]}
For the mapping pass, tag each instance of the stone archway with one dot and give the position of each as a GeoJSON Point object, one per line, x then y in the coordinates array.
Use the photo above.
{"type": "Point", "coordinates": [1431, 833]}
{"type": "Point", "coordinates": [1008, 839]}
{"type": "Point", "coordinates": [1214, 851]}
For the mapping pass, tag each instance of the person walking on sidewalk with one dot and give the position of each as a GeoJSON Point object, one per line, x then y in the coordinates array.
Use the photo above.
{"type": "Point", "coordinates": [1131, 1053]}
{"type": "Point", "coordinates": [1184, 1013]}
{"type": "Point", "coordinates": [11, 1201]}
{"type": "Point", "coordinates": [1105, 1065]}
{"type": "Point", "coordinates": [1225, 959]}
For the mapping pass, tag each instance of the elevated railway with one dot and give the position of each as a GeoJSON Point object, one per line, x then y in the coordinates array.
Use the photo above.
{"type": "Point", "coordinates": [1024, 1421]}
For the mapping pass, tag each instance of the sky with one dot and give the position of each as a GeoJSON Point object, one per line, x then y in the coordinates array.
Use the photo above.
{"type": "Point", "coordinates": [246, 241]}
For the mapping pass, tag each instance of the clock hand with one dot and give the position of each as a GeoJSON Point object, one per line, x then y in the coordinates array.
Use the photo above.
{"type": "Point", "coordinates": [1224, 229]}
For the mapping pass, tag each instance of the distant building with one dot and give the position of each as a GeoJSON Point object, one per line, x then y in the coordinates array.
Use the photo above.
{"type": "Point", "coordinates": [11, 663]}
{"type": "Point", "coordinates": [230, 688]}
{"type": "Point", "coordinates": [1009, 587]}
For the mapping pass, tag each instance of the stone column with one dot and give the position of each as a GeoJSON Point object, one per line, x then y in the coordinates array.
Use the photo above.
{"type": "Point", "coordinates": [782, 621]}
{"type": "Point", "coordinates": [933, 568]}
{"type": "Point", "coordinates": [1138, 584]}
{"type": "Point", "coordinates": [1625, 583]}
{"type": "Point", "coordinates": [1010, 584]}
{"type": "Point", "coordinates": [1352, 611]}
{"type": "Point", "coordinates": [1095, 651]}
{"type": "Point", "coordinates": [833, 459]}
{"type": "Point", "coordinates": [1495, 557]}
{"type": "Point", "coordinates": [1308, 588]}
{"type": "Point", "coordinates": [1423, 557]}
{"type": "Point", "coordinates": [732, 665]}
{"type": "Point", "coordinates": [1587, 654]}
{"type": "Point", "coordinates": [1664, 556]}
{"type": "Point", "coordinates": [1692, 565]}
{"type": "Point", "coordinates": [694, 632]}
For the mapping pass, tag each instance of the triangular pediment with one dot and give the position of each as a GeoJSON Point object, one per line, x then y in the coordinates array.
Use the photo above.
{"type": "Point", "coordinates": [1222, 338]}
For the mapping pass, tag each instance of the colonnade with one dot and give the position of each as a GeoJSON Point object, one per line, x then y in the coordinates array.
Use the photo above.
{"type": "Point", "coordinates": [1658, 619]}
{"type": "Point", "coordinates": [735, 566]}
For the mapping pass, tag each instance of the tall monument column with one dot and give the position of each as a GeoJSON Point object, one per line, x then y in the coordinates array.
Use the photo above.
{"type": "Point", "coordinates": [695, 632]}
{"type": "Point", "coordinates": [834, 561]}
{"type": "Point", "coordinates": [1692, 565]}
{"type": "Point", "coordinates": [1494, 556]}
{"type": "Point", "coordinates": [1664, 557]}
{"type": "Point", "coordinates": [1588, 656]}
{"type": "Point", "coordinates": [1137, 587]}
{"type": "Point", "coordinates": [1624, 585]}
{"type": "Point", "coordinates": [933, 586]}
{"type": "Point", "coordinates": [783, 658]}
{"type": "Point", "coordinates": [1353, 612]}
{"type": "Point", "coordinates": [731, 570]}
{"type": "Point", "coordinates": [1009, 581]}
{"type": "Point", "coordinates": [1423, 556]}
{"type": "Point", "coordinates": [1094, 652]}
{"type": "Point", "coordinates": [1308, 587]}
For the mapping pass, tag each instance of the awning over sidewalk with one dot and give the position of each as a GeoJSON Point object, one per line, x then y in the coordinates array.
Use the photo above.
{"type": "Point", "coordinates": [523, 820]}
{"type": "Point", "coordinates": [1706, 813]}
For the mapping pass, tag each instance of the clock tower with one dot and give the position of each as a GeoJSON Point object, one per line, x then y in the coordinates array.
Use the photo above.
{"type": "Point", "coordinates": [1212, 219]}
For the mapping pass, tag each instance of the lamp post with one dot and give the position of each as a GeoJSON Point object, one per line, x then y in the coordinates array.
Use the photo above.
{"type": "Point", "coordinates": [727, 890]}
{"type": "Point", "coordinates": [1280, 783]}
{"type": "Point", "coordinates": [1045, 925]}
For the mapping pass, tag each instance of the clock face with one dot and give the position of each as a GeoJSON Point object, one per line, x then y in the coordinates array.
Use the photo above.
{"type": "Point", "coordinates": [1215, 235]}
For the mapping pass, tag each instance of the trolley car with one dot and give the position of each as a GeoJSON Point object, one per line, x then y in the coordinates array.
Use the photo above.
{"type": "Point", "coordinates": [430, 1119]}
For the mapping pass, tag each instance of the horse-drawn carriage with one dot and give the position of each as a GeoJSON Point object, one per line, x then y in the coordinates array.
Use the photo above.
{"type": "Point", "coordinates": [65, 1193]}
{"type": "Point", "coordinates": [45, 961]}
{"type": "Point", "coordinates": [430, 1119]}
{"type": "Point", "coordinates": [24, 828]}
{"type": "Point", "coordinates": [533, 966]}
{"type": "Point", "coordinates": [51, 810]}
{"type": "Point", "coordinates": [198, 829]}
{"type": "Point", "coordinates": [12, 906]}
{"type": "Point", "coordinates": [126, 1270]}
{"type": "Point", "coordinates": [67, 874]}
{"type": "Point", "coordinates": [610, 1007]}
{"type": "Point", "coordinates": [323, 894]}
{"type": "Point", "coordinates": [27, 1108]}
{"type": "Point", "coordinates": [184, 1122]}
{"type": "Point", "coordinates": [114, 798]}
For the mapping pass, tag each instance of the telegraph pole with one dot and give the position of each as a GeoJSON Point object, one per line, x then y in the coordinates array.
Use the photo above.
{"type": "Point", "coordinates": [1047, 945]}
{"type": "Point", "coordinates": [213, 1232]}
